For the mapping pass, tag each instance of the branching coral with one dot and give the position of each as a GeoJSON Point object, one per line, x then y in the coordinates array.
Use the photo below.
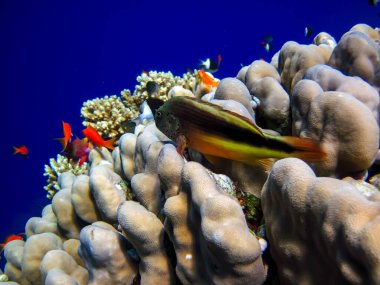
{"type": "Point", "coordinates": [58, 166]}
{"type": "Point", "coordinates": [165, 81]}
{"type": "Point", "coordinates": [107, 115]}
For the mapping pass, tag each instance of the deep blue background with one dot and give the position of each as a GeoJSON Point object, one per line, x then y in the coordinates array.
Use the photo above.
{"type": "Point", "coordinates": [54, 55]}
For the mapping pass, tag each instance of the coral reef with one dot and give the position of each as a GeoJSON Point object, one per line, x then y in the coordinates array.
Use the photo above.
{"type": "Point", "coordinates": [263, 82]}
{"type": "Point", "coordinates": [58, 166]}
{"type": "Point", "coordinates": [294, 59]}
{"type": "Point", "coordinates": [357, 54]}
{"type": "Point", "coordinates": [307, 215]}
{"type": "Point", "coordinates": [323, 116]}
{"type": "Point", "coordinates": [144, 214]}
{"type": "Point", "coordinates": [108, 114]}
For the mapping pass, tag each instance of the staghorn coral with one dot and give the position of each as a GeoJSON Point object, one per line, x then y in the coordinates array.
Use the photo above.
{"type": "Point", "coordinates": [108, 114]}
{"type": "Point", "coordinates": [165, 81]}
{"type": "Point", "coordinates": [321, 230]}
{"type": "Point", "coordinates": [56, 168]}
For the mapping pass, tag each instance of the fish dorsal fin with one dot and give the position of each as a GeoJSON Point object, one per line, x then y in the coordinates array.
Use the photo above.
{"type": "Point", "coordinates": [218, 108]}
{"type": "Point", "coordinates": [246, 120]}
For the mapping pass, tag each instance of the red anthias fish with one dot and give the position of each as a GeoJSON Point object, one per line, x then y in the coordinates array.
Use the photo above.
{"type": "Point", "coordinates": [94, 137]}
{"type": "Point", "coordinates": [66, 135]}
{"type": "Point", "coordinates": [22, 150]}
{"type": "Point", "coordinates": [11, 238]}
{"type": "Point", "coordinates": [78, 150]}
{"type": "Point", "coordinates": [207, 80]}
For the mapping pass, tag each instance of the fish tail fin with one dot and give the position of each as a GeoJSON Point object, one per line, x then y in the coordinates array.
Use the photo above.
{"type": "Point", "coordinates": [82, 160]}
{"type": "Point", "coordinates": [304, 148]}
{"type": "Point", "coordinates": [62, 142]}
{"type": "Point", "coordinates": [15, 150]}
{"type": "Point", "coordinates": [110, 143]}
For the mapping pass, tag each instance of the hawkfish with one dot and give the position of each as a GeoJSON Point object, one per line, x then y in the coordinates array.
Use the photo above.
{"type": "Point", "coordinates": [218, 133]}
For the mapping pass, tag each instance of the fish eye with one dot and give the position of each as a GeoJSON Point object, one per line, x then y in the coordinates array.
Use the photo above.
{"type": "Point", "coordinates": [158, 115]}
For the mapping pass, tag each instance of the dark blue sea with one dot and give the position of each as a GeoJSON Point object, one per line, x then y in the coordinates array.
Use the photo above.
{"type": "Point", "coordinates": [54, 55]}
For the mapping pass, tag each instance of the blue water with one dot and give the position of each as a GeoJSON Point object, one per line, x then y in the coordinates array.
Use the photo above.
{"type": "Point", "coordinates": [54, 55]}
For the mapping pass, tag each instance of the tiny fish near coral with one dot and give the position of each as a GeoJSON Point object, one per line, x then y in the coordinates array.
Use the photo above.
{"type": "Point", "coordinates": [210, 64]}
{"type": "Point", "coordinates": [11, 238]}
{"type": "Point", "coordinates": [78, 150]}
{"type": "Point", "coordinates": [207, 79]}
{"type": "Point", "coordinates": [308, 31]}
{"type": "Point", "coordinates": [215, 132]}
{"type": "Point", "coordinates": [22, 150]}
{"type": "Point", "coordinates": [67, 134]}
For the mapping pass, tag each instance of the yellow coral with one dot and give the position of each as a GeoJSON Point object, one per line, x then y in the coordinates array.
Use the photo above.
{"type": "Point", "coordinates": [165, 81]}
{"type": "Point", "coordinates": [58, 166]}
{"type": "Point", "coordinates": [107, 115]}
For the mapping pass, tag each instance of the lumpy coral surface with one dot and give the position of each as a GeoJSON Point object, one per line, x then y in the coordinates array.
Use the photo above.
{"type": "Point", "coordinates": [150, 212]}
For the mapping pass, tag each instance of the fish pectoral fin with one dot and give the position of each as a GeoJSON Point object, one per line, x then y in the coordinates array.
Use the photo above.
{"type": "Point", "coordinates": [265, 163]}
{"type": "Point", "coordinates": [215, 160]}
{"type": "Point", "coordinates": [182, 144]}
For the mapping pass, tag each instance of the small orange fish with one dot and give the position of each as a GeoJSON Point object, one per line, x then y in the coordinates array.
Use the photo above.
{"type": "Point", "coordinates": [94, 137]}
{"type": "Point", "coordinates": [207, 79]}
{"type": "Point", "coordinates": [267, 46]}
{"type": "Point", "coordinates": [66, 135]}
{"type": "Point", "coordinates": [11, 238]}
{"type": "Point", "coordinates": [23, 150]}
